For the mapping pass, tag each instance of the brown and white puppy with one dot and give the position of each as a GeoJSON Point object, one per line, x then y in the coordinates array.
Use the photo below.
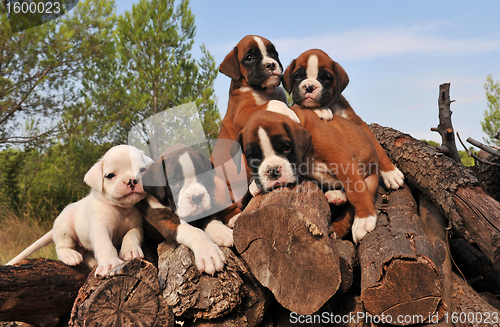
{"type": "Point", "coordinates": [337, 154]}
{"type": "Point", "coordinates": [104, 220]}
{"type": "Point", "coordinates": [256, 72]}
{"type": "Point", "coordinates": [183, 188]}
{"type": "Point", "coordinates": [316, 83]}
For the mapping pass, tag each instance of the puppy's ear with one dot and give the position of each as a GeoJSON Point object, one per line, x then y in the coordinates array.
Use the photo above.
{"type": "Point", "coordinates": [93, 177]}
{"type": "Point", "coordinates": [230, 65]}
{"type": "Point", "coordinates": [288, 77]}
{"type": "Point", "coordinates": [235, 151]}
{"type": "Point", "coordinates": [342, 78]}
{"type": "Point", "coordinates": [301, 139]}
{"type": "Point", "coordinates": [153, 181]}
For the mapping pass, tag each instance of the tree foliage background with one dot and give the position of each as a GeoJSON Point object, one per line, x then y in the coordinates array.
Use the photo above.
{"type": "Point", "coordinates": [491, 122]}
{"type": "Point", "coordinates": [72, 88]}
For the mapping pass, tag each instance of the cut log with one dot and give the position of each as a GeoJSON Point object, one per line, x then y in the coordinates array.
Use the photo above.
{"type": "Point", "coordinates": [489, 176]}
{"type": "Point", "coordinates": [128, 296]}
{"type": "Point", "coordinates": [435, 225]}
{"type": "Point", "coordinates": [283, 237]}
{"type": "Point", "coordinates": [474, 215]}
{"type": "Point", "coordinates": [473, 264]}
{"type": "Point", "coordinates": [401, 270]}
{"type": "Point", "coordinates": [231, 295]}
{"type": "Point", "coordinates": [39, 291]}
{"type": "Point", "coordinates": [469, 308]}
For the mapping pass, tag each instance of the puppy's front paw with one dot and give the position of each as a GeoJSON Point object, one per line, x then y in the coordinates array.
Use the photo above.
{"type": "Point", "coordinates": [69, 256]}
{"type": "Point", "coordinates": [324, 113]}
{"type": "Point", "coordinates": [254, 189]}
{"type": "Point", "coordinates": [106, 266]}
{"type": "Point", "coordinates": [336, 197]}
{"type": "Point", "coordinates": [232, 221]}
{"type": "Point", "coordinates": [282, 108]}
{"type": "Point", "coordinates": [362, 226]}
{"type": "Point", "coordinates": [129, 253]}
{"type": "Point", "coordinates": [219, 233]}
{"type": "Point", "coordinates": [393, 178]}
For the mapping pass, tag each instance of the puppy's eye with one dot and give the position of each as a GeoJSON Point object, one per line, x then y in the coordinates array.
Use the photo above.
{"type": "Point", "coordinates": [254, 162]}
{"type": "Point", "coordinates": [287, 149]}
{"type": "Point", "coordinates": [249, 58]}
{"type": "Point", "coordinates": [142, 170]}
{"type": "Point", "coordinates": [110, 176]}
{"type": "Point", "coordinates": [299, 75]}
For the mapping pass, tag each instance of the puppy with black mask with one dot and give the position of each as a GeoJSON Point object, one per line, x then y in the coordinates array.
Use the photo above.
{"type": "Point", "coordinates": [316, 83]}
{"type": "Point", "coordinates": [184, 190]}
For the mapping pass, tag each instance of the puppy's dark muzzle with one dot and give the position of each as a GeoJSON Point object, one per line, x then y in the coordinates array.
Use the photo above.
{"type": "Point", "coordinates": [132, 183]}
{"type": "Point", "coordinates": [197, 199]}
{"type": "Point", "coordinates": [274, 173]}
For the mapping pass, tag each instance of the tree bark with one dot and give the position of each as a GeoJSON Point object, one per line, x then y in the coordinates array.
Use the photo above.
{"type": "Point", "coordinates": [469, 308]}
{"type": "Point", "coordinates": [489, 176]}
{"type": "Point", "coordinates": [474, 215]}
{"type": "Point", "coordinates": [401, 270]}
{"type": "Point", "coordinates": [232, 297]}
{"type": "Point", "coordinates": [39, 291]}
{"type": "Point", "coordinates": [283, 237]}
{"type": "Point", "coordinates": [445, 127]}
{"type": "Point", "coordinates": [128, 296]}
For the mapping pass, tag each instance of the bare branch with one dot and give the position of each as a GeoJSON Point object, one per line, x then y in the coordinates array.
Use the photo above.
{"type": "Point", "coordinates": [470, 154]}
{"type": "Point", "coordinates": [483, 147]}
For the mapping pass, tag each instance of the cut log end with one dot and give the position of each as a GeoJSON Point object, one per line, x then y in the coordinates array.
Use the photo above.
{"type": "Point", "coordinates": [129, 296]}
{"type": "Point", "coordinates": [276, 240]}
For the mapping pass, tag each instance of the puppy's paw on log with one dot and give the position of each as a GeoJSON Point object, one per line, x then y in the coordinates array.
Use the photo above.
{"type": "Point", "coordinates": [104, 267]}
{"type": "Point", "coordinates": [336, 197]}
{"type": "Point", "coordinates": [69, 256]}
{"type": "Point", "coordinates": [219, 233]}
{"type": "Point", "coordinates": [232, 221]}
{"type": "Point", "coordinates": [131, 252]}
{"type": "Point", "coordinates": [362, 226]}
{"type": "Point", "coordinates": [393, 178]}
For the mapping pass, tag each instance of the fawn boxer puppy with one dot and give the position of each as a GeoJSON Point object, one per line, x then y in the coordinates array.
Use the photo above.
{"type": "Point", "coordinates": [316, 83]}
{"type": "Point", "coordinates": [104, 220]}
{"type": "Point", "coordinates": [337, 154]}
{"type": "Point", "coordinates": [256, 72]}
{"type": "Point", "coordinates": [184, 181]}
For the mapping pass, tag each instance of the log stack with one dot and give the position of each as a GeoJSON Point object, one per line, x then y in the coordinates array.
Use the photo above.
{"type": "Point", "coordinates": [288, 265]}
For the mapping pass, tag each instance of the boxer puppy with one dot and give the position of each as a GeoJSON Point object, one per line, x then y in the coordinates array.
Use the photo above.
{"type": "Point", "coordinates": [256, 72]}
{"type": "Point", "coordinates": [104, 220]}
{"type": "Point", "coordinates": [316, 82]}
{"type": "Point", "coordinates": [337, 154]}
{"type": "Point", "coordinates": [182, 188]}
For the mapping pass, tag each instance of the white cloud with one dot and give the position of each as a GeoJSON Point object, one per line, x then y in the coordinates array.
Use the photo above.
{"type": "Point", "coordinates": [371, 42]}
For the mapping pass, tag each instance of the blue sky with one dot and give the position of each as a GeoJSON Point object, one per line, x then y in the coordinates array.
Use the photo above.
{"type": "Point", "coordinates": [396, 53]}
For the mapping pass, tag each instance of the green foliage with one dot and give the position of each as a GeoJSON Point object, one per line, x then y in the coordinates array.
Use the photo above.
{"type": "Point", "coordinates": [41, 68]}
{"type": "Point", "coordinates": [491, 122]}
{"type": "Point", "coordinates": [152, 71]}
{"type": "Point", "coordinates": [42, 184]}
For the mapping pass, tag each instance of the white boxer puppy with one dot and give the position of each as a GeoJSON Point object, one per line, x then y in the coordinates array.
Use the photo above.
{"type": "Point", "coordinates": [104, 220]}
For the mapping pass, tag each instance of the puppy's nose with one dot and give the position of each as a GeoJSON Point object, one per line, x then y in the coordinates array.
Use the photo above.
{"type": "Point", "coordinates": [196, 199]}
{"type": "Point", "coordinates": [309, 88]}
{"type": "Point", "coordinates": [274, 173]}
{"type": "Point", "coordinates": [131, 183]}
{"type": "Point", "coordinates": [271, 65]}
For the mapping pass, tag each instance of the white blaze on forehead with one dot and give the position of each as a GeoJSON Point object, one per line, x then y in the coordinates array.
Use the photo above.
{"type": "Point", "coordinates": [312, 67]}
{"type": "Point", "coordinates": [261, 45]}
{"type": "Point", "coordinates": [265, 143]}
{"type": "Point", "coordinates": [187, 165]}
{"type": "Point", "coordinates": [265, 56]}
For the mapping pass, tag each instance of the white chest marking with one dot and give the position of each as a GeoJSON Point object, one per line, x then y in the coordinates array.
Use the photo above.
{"type": "Point", "coordinates": [312, 67]}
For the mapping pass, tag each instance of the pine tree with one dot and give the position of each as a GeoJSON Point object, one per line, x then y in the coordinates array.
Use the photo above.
{"type": "Point", "coordinates": [491, 122]}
